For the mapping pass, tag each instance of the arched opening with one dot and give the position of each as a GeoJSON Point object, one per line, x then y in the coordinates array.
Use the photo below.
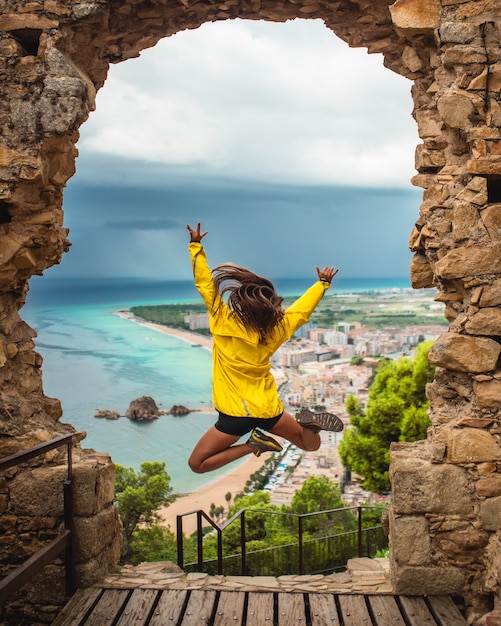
{"type": "Point", "coordinates": [280, 139]}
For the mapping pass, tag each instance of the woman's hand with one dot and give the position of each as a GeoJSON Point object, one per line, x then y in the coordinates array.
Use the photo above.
{"type": "Point", "coordinates": [327, 274]}
{"type": "Point", "coordinates": [195, 234]}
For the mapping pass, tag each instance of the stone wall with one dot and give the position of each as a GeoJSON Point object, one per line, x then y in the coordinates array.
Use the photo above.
{"type": "Point", "coordinates": [54, 56]}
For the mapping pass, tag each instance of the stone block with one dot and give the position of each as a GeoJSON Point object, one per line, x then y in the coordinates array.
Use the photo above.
{"type": "Point", "coordinates": [463, 55]}
{"type": "Point", "coordinates": [411, 60]}
{"type": "Point", "coordinates": [96, 568]}
{"type": "Point", "coordinates": [419, 486]}
{"type": "Point", "coordinates": [8, 248]}
{"type": "Point", "coordinates": [15, 21]}
{"type": "Point", "coordinates": [457, 32]}
{"type": "Point", "coordinates": [53, 408]}
{"type": "Point", "coordinates": [490, 514]}
{"type": "Point", "coordinates": [491, 217]}
{"type": "Point", "coordinates": [457, 109]}
{"type": "Point", "coordinates": [422, 581]}
{"type": "Point", "coordinates": [465, 224]}
{"type": "Point", "coordinates": [471, 445]}
{"type": "Point", "coordinates": [490, 166]}
{"type": "Point", "coordinates": [488, 393]}
{"type": "Point", "coordinates": [475, 191]}
{"type": "Point", "coordinates": [473, 261]}
{"type": "Point", "coordinates": [464, 354]}
{"type": "Point", "coordinates": [421, 272]}
{"type": "Point", "coordinates": [462, 545]}
{"type": "Point", "coordinates": [480, 82]}
{"type": "Point", "coordinates": [493, 565]}
{"type": "Point", "coordinates": [11, 158]}
{"type": "Point", "coordinates": [428, 126]}
{"type": "Point", "coordinates": [426, 158]}
{"type": "Point", "coordinates": [94, 534]}
{"type": "Point", "coordinates": [410, 540]}
{"type": "Point", "coordinates": [93, 485]}
{"type": "Point", "coordinates": [415, 17]}
{"type": "Point", "coordinates": [491, 294]}
{"type": "Point", "coordinates": [489, 487]}
{"type": "Point", "coordinates": [38, 492]}
{"type": "Point", "coordinates": [486, 322]}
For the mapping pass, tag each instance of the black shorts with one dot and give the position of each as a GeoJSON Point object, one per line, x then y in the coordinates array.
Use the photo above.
{"type": "Point", "coordinates": [239, 426]}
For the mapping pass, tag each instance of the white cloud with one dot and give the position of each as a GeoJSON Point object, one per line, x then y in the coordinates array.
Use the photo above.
{"type": "Point", "coordinates": [259, 100]}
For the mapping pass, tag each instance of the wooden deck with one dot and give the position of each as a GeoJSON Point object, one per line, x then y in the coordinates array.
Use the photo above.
{"type": "Point", "coordinates": [161, 607]}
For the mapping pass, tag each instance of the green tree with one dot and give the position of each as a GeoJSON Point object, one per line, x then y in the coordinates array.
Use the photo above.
{"type": "Point", "coordinates": [153, 543]}
{"type": "Point", "coordinates": [319, 493]}
{"type": "Point", "coordinates": [256, 505]}
{"type": "Point", "coordinates": [396, 411]}
{"type": "Point", "coordinates": [139, 495]}
{"type": "Point", "coordinates": [353, 406]}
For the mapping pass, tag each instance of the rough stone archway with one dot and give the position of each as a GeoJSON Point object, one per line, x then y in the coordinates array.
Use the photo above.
{"type": "Point", "coordinates": [446, 492]}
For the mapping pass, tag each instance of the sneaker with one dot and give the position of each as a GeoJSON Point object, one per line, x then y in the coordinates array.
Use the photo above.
{"type": "Point", "coordinates": [262, 443]}
{"type": "Point", "coordinates": [319, 421]}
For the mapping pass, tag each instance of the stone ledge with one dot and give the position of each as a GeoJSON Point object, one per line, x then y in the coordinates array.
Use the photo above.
{"type": "Point", "coordinates": [363, 575]}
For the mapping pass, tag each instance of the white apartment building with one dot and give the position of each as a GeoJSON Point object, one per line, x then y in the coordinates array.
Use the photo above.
{"type": "Point", "coordinates": [335, 338]}
{"type": "Point", "coordinates": [294, 358]}
{"type": "Point", "coordinates": [197, 320]}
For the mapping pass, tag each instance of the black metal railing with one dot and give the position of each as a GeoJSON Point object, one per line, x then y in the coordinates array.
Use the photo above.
{"type": "Point", "coordinates": [62, 543]}
{"type": "Point", "coordinates": [326, 553]}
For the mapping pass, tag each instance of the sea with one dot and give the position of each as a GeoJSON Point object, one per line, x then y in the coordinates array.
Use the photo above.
{"type": "Point", "coordinates": [94, 359]}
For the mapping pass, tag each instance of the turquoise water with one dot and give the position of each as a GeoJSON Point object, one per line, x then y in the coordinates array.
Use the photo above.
{"type": "Point", "coordinates": [94, 359]}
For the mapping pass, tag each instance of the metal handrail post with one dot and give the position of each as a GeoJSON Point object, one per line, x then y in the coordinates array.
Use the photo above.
{"type": "Point", "coordinates": [360, 549]}
{"type": "Point", "coordinates": [69, 524]}
{"type": "Point", "coordinates": [243, 540]}
{"type": "Point", "coordinates": [179, 539]}
{"type": "Point", "coordinates": [300, 544]}
{"type": "Point", "coordinates": [200, 550]}
{"type": "Point", "coordinates": [219, 551]}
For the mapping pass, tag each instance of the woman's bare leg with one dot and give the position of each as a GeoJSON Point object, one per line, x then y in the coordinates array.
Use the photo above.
{"type": "Point", "coordinates": [216, 449]}
{"type": "Point", "coordinates": [303, 438]}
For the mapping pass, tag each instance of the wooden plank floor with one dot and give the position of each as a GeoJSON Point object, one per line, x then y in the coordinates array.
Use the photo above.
{"type": "Point", "coordinates": [155, 607]}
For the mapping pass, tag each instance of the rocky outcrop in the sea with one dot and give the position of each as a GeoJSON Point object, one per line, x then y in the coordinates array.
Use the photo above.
{"type": "Point", "coordinates": [143, 408]}
{"type": "Point", "coordinates": [107, 414]}
{"type": "Point", "coordinates": [179, 409]}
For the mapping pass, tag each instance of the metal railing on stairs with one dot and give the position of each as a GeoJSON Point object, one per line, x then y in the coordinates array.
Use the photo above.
{"type": "Point", "coordinates": [62, 543]}
{"type": "Point", "coordinates": [320, 554]}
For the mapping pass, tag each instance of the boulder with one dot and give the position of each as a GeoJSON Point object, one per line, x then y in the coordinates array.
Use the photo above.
{"type": "Point", "coordinates": [179, 409]}
{"type": "Point", "coordinates": [107, 414]}
{"type": "Point", "coordinates": [143, 408]}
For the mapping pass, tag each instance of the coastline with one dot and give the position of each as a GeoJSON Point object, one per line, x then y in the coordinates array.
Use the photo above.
{"type": "Point", "coordinates": [214, 491]}
{"type": "Point", "coordinates": [185, 335]}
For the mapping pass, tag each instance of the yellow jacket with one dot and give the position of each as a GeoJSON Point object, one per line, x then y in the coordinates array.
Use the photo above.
{"type": "Point", "coordinates": [242, 382]}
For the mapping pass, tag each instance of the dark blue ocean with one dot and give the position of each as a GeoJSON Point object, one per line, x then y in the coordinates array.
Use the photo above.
{"type": "Point", "coordinates": [94, 359]}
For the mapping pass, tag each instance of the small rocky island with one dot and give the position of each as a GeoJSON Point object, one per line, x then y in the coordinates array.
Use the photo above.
{"type": "Point", "coordinates": [143, 409]}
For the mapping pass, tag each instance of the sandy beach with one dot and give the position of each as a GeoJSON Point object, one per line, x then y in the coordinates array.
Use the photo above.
{"type": "Point", "coordinates": [185, 335]}
{"type": "Point", "coordinates": [215, 491]}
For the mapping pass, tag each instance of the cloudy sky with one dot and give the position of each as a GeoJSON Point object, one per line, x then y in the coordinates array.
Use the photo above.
{"type": "Point", "coordinates": [291, 148]}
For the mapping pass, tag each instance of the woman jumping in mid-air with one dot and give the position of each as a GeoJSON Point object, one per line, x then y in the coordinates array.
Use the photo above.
{"type": "Point", "coordinates": [248, 324]}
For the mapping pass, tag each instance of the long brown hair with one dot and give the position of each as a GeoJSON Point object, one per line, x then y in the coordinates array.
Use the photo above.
{"type": "Point", "coordinates": [251, 297]}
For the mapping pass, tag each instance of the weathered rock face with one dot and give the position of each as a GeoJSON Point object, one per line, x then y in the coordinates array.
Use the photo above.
{"type": "Point", "coordinates": [54, 56]}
